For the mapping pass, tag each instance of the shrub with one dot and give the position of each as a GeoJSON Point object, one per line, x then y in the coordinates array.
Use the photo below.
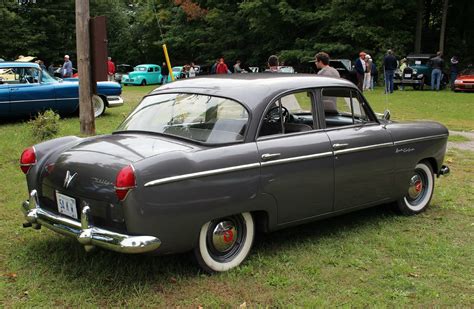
{"type": "Point", "coordinates": [45, 125]}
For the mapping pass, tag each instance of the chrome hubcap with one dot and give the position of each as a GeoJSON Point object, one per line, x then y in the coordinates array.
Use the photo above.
{"type": "Point", "coordinates": [416, 187]}
{"type": "Point", "coordinates": [224, 236]}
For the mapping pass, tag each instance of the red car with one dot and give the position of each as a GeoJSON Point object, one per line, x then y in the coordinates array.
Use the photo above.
{"type": "Point", "coordinates": [465, 81]}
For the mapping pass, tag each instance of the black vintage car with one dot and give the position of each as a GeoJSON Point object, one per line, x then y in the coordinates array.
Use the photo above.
{"type": "Point", "coordinates": [205, 163]}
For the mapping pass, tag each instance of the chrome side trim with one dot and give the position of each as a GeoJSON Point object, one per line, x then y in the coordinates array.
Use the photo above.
{"type": "Point", "coordinates": [86, 234]}
{"type": "Point", "coordinates": [418, 139]}
{"type": "Point", "coordinates": [363, 148]}
{"type": "Point", "coordinates": [202, 174]}
{"type": "Point", "coordinates": [297, 159]}
{"type": "Point", "coordinates": [57, 99]}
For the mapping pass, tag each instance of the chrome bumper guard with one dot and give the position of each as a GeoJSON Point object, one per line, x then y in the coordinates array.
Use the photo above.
{"type": "Point", "coordinates": [88, 235]}
{"type": "Point", "coordinates": [444, 170]}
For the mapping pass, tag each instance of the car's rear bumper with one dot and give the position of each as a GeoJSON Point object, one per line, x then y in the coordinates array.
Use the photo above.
{"type": "Point", "coordinates": [87, 234]}
{"type": "Point", "coordinates": [114, 101]}
{"type": "Point", "coordinates": [408, 81]}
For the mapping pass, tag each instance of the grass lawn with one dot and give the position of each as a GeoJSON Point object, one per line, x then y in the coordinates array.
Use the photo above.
{"type": "Point", "coordinates": [372, 257]}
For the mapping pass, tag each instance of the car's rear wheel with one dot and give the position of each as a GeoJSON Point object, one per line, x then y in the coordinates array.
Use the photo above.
{"type": "Point", "coordinates": [143, 83]}
{"type": "Point", "coordinates": [420, 190]}
{"type": "Point", "coordinates": [98, 105]}
{"type": "Point", "coordinates": [224, 243]}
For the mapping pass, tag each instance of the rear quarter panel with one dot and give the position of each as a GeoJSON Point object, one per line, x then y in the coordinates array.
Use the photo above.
{"type": "Point", "coordinates": [175, 211]}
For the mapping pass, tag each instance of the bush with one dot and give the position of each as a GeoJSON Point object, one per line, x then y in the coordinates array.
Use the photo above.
{"type": "Point", "coordinates": [45, 125]}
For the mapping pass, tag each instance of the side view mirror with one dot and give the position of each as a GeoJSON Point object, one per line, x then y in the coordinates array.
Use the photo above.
{"type": "Point", "coordinates": [386, 114]}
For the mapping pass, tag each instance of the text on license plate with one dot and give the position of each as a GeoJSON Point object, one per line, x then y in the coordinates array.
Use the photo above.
{"type": "Point", "coordinates": [66, 205]}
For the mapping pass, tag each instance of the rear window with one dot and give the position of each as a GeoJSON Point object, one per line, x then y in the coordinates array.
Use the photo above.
{"type": "Point", "coordinates": [201, 118]}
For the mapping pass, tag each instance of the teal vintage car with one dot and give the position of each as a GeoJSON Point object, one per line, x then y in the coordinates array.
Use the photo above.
{"type": "Point", "coordinates": [143, 74]}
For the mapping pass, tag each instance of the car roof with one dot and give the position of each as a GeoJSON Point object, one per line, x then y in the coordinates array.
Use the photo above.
{"type": "Point", "coordinates": [147, 65]}
{"type": "Point", "coordinates": [253, 89]}
{"type": "Point", "coordinates": [14, 64]}
{"type": "Point", "coordinates": [422, 56]}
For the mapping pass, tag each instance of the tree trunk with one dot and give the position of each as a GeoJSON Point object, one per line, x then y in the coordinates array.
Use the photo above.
{"type": "Point", "coordinates": [443, 25]}
{"type": "Point", "coordinates": [86, 113]}
{"type": "Point", "coordinates": [419, 25]}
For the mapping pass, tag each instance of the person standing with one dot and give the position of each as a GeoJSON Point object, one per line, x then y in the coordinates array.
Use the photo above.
{"type": "Point", "coordinates": [214, 67]}
{"type": "Point", "coordinates": [222, 67]}
{"type": "Point", "coordinates": [373, 75]}
{"type": "Point", "coordinates": [360, 70]}
{"type": "Point", "coordinates": [437, 63]}
{"type": "Point", "coordinates": [164, 73]}
{"type": "Point", "coordinates": [390, 65]}
{"type": "Point", "coordinates": [453, 71]}
{"type": "Point", "coordinates": [237, 68]}
{"type": "Point", "coordinates": [110, 70]}
{"type": "Point", "coordinates": [367, 74]}
{"type": "Point", "coordinates": [272, 63]}
{"type": "Point", "coordinates": [51, 69]}
{"type": "Point", "coordinates": [191, 71]}
{"type": "Point", "coordinates": [66, 70]}
{"type": "Point", "coordinates": [322, 63]}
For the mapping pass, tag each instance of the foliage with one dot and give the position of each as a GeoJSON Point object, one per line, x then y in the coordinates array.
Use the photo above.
{"type": "Point", "coordinates": [249, 30]}
{"type": "Point", "coordinates": [45, 125]}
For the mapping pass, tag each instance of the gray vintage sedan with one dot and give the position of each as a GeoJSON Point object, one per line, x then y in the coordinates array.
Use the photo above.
{"type": "Point", "coordinates": [202, 164]}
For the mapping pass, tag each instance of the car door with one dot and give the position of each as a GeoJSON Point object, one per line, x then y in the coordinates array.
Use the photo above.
{"type": "Point", "coordinates": [296, 160]}
{"type": "Point", "coordinates": [28, 96]}
{"type": "Point", "coordinates": [363, 149]}
{"type": "Point", "coordinates": [4, 99]}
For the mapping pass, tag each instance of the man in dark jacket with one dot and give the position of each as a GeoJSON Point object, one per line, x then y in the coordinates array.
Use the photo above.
{"type": "Point", "coordinates": [437, 64]}
{"type": "Point", "coordinates": [164, 73]}
{"type": "Point", "coordinates": [360, 70]}
{"type": "Point", "coordinates": [390, 65]}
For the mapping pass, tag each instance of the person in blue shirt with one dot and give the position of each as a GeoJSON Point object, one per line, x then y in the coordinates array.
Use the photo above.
{"type": "Point", "coordinates": [66, 71]}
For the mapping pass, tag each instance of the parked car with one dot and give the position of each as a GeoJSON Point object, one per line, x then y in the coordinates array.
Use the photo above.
{"type": "Point", "coordinates": [202, 164]}
{"type": "Point", "coordinates": [409, 77]}
{"type": "Point", "coordinates": [143, 74]}
{"type": "Point", "coordinates": [122, 69]}
{"type": "Point", "coordinates": [465, 80]}
{"type": "Point", "coordinates": [26, 90]}
{"type": "Point", "coordinates": [421, 65]}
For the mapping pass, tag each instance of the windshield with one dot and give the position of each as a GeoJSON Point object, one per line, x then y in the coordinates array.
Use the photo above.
{"type": "Point", "coordinates": [141, 69]}
{"type": "Point", "coordinates": [177, 69]}
{"type": "Point", "coordinates": [47, 78]}
{"type": "Point", "coordinates": [415, 61]}
{"type": "Point", "coordinates": [197, 117]}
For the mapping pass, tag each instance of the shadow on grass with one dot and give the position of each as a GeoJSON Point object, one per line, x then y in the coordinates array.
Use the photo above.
{"type": "Point", "coordinates": [64, 259]}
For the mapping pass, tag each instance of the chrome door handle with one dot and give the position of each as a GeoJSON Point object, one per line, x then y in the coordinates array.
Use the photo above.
{"type": "Point", "coordinates": [339, 146]}
{"type": "Point", "coordinates": [270, 156]}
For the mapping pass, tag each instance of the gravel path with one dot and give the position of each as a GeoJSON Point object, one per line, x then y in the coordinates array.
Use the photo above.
{"type": "Point", "coordinates": [462, 145]}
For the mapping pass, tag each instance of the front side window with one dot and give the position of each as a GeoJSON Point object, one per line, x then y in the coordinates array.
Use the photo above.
{"type": "Point", "coordinates": [197, 117]}
{"type": "Point", "coordinates": [290, 113]}
{"type": "Point", "coordinates": [17, 75]}
{"type": "Point", "coordinates": [343, 107]}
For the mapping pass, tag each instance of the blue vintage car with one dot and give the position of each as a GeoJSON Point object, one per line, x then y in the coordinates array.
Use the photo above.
{"type": "Point", "coordinates": [143, 74]}
{"type": "Point", "coordinates": [26, 90]}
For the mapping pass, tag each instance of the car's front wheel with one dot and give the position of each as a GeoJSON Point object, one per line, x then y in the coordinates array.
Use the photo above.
{"type": "Point", "coordinates": [225, 242]}
{"type": "Point", "coordinates": [98, 105]}
{"type": "Point", "coordinates": [420, 190]}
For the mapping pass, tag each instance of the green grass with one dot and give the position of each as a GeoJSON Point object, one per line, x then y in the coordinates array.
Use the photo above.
{"type": "Point", "coordinates": [371, 258]}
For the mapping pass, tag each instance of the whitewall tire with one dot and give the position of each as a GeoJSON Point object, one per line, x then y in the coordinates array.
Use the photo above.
{"type": "Point", "coordinates": [224, 243]}
{"type": "Point", "coordinates": [98, 104]}
{"type": "Point", "coordinates": [420, 190]}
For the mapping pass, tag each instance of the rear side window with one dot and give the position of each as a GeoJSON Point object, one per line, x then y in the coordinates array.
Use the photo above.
{"type": "Point", "coordinates": [343, 107]}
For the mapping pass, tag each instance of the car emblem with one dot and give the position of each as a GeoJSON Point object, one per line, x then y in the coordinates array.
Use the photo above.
{"type": "Point", "coordinates": [68, 179]}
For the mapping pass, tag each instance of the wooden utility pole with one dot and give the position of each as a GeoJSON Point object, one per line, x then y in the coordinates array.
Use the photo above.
{"type": "Point", "coordinates": [443, 25]}
{"type": "Point", "coordinates": [419, 25]}
{"type": "Point", "coordinates": [86, 113]}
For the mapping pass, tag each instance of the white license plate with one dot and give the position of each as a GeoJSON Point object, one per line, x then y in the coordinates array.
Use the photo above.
{"type": "Point", "coordinates": [66, 205]}
{"type": "Point", "coordinates": [407, 75]}
{"type": "Point", "coordinates": [468, 85]}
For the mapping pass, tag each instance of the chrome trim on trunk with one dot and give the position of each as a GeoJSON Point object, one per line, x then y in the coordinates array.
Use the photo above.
{"type": "Point", "coordinates": [87, 234]}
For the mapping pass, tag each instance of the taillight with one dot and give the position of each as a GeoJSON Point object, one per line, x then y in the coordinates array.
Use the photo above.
{"type": "Point", "coordinates": [27, 159]}
{"type": "Point", "coordinates": [125, 182]}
